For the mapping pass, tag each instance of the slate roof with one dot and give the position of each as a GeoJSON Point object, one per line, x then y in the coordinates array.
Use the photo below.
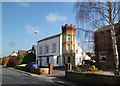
{"type": "Point", "coordinates": [49, 37]}
{"type": "Point", "coordinates": [107, 27]}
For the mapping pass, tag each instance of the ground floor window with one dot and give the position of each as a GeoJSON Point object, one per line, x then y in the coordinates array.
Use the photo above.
{"type": "Point", "coordinates": [102, 56]}
{"type": "Point", "coordinates": [57, 59]}
{"type": "Point", "coordinates": [68, 59]}
{"type": "Point", "coordinates": [63, 60]}
{"type": "Point", "coordinates": [40, 61]}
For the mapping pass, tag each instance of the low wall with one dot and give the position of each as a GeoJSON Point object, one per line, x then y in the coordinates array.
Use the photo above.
{"type": "Point", "coordinates": [41, 71]}
{"type": "Point", "coordinates": [87, 78]}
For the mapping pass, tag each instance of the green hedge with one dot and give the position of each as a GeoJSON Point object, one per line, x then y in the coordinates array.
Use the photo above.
{"type": "Point", "coordinates": [26, 58]}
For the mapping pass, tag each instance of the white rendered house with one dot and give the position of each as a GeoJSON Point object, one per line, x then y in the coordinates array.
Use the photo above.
{"type": "Point", "coordinates": [60, 49]}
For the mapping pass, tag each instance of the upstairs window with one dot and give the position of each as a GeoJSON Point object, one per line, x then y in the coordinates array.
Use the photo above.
{"type": "Point", "coordinates": [54, 47]}
{"type": "Point", "coordinates": [46, 49]}
{"type": "Point", "coordinates": [68, 48]}
{"type": "Point", "coordinates": [69, 37]}
{"type": "Point", "coordinates": [102, 56]}
{"type": "Point", "coordinates": [40, 49]}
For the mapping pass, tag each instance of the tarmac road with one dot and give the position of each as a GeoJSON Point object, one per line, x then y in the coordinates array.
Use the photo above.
{"type": "Point", "coordinates": [14, 77]}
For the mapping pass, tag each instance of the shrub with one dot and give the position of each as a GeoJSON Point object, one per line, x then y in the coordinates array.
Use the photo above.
{"type": "Point", "coordinates": [93, 68]}
{"type": "Point", "coordinates": [78, 69]}
{"type": "Point", "coordinates": [3, 62]}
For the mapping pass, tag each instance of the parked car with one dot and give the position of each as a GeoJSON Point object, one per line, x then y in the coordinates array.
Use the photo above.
{"type": "Point", "coordinates": [32, 64]}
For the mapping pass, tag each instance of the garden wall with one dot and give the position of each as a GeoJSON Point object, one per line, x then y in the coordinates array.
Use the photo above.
{"type": "Point", "coordinates": [87, 78]}
{"type": "Point", "coordinates": [40, 71]}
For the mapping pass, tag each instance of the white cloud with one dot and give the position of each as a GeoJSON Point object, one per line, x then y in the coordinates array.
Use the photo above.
{"type": "Point", "coordinates": [30, 29]}
{"type": "Point", "coordinates": [52, 17]}
{"type": "Point", "coordinates": [24, 4]}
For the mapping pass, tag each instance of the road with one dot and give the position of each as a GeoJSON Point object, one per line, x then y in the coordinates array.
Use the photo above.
{"type": "Point", "coordinates": [17, 77]}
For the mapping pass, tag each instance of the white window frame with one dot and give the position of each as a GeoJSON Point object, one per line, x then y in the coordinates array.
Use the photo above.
{"type": "Point", "coordinates": [100, 56]}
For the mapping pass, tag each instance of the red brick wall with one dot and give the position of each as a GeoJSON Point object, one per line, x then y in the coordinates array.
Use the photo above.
{"type": "Point", "coordinates": [103, 43]}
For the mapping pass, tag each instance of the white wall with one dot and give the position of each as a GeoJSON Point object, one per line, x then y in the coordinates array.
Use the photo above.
{"type": "Point", "coordinates": [52, 56]}
{"type": "Point", "coordinates": [49, 43]}
{"type": "Point", "coordinates": [81, 55]}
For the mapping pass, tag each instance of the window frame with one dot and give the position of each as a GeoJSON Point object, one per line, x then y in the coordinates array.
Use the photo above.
{"type": "Point", "coordinates": [68, 48]}
{"type": "Point", "coordinates": [46, 49]}
{"type": "Point", "coordinates": [68, 37]}
{"type": "Point", "coordinates": [102, 56]}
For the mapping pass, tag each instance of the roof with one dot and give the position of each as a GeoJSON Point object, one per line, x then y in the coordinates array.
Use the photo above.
{"type": "Point", "coordinates": [107, 27]}
{"type": "Point", "coordinates": [22, 51]}
{"type": "Point", "coordinates": [49, 37]}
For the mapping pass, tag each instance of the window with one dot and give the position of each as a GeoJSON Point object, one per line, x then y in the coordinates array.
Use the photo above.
{"type": "Point", "coordinates": [54, 47]}
{"type": "Point", "coordinates": [68, 59]}
{"type": "Point", "coordinates": [63, 60]}
{"type": "Point", "coordinates": [40, 49]}
{"type": "Point", "coordinates": [79, 60]}
{"type": "Point", "coordinates": [73, 38]}
{"type": "Point", "coordinates": [76, 51]}
{"type": "Point", "coordinates": [47, 60]}
{"type": "Point", "coordinates": [102, 56]}
{"type": "Point", "coordinates": [82, 53]}
{"type": "Point", "coordinates": [57, 59]}
{"type": "Point", "coordinates": [69, 37]}
{"type": "Point", "coordinates": [68, 48]}
{"type": "Point", "coordinates": [46, 49]}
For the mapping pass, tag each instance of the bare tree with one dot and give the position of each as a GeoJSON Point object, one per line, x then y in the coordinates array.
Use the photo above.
{"type": "Point", "coordinates": [97, 14]}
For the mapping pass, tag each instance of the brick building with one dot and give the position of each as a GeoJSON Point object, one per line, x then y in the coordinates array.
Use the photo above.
{"type": "Point", "coordinates": [103, 47]}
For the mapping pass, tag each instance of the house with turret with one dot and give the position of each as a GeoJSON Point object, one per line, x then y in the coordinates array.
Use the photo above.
{"type": "Point", "coordinates": [61, 49]}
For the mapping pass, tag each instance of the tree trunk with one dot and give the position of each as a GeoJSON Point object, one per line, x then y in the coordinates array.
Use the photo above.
{"type": "Point", "coordinates": [115, 50]}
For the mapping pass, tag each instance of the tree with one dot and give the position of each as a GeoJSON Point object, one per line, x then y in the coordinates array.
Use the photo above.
{"type": "Point", "coordinates": [97, 14]}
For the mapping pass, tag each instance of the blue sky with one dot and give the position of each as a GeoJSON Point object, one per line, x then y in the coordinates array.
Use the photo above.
{"type": "Point", "coordinates": [19, 20]}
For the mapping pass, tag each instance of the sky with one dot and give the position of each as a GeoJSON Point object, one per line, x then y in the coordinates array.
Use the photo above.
{"type": "Point", "coordinates": [20, 19]}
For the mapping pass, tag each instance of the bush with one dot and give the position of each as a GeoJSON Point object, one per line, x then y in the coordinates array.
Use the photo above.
{"type": "Point", "coordinates": [93, 68]}
{"type": "Point", "coordinates": [78, 69]}
{"type": "Point", "coordinates": [20, 57]}
{"type": "Point", "coordinates": [26, 58]}
{"type": "Point", "coordinates": [3, 62]}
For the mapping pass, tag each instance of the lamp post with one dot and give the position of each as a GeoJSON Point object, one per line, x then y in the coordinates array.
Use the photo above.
{"type": "Point", "coordinates": [36, 32]}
